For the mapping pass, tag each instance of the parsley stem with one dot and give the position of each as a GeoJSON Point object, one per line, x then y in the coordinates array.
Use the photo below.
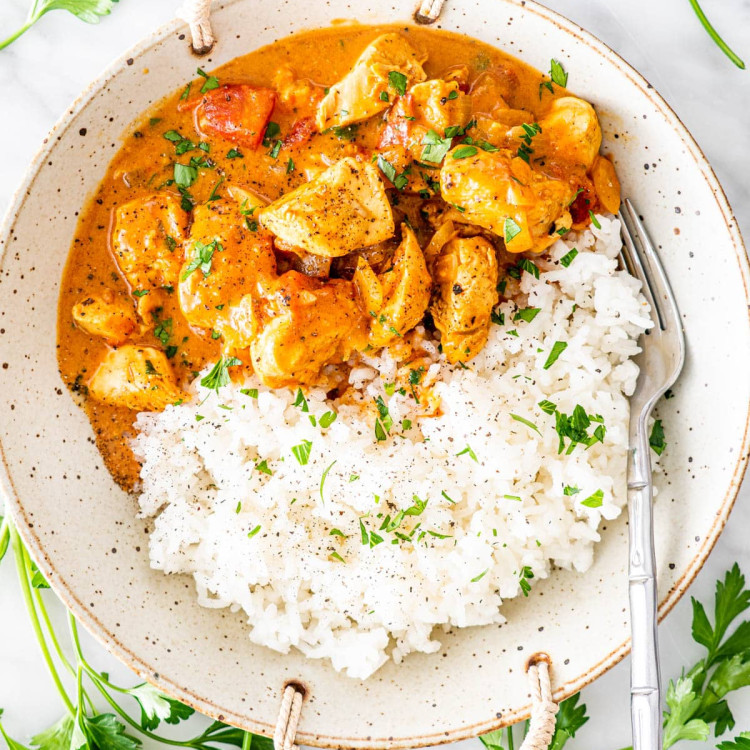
{"type": "Point", "coordinates": [4, 536]}
{"type": "Point", "coordinates": [50, 630]}
{"type": "Point", "coordinates": [723, 46]}
{"type": "Point", "coordinates": [247, 740]}
{"type": "Point", "coordinates": [12, 38]}
{"type": "Point", "coordinates": [510, 736]}
{"type": "Point", "coordinates": [23, 565]}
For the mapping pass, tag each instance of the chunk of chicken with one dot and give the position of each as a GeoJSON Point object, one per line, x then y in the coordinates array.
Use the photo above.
{"type": "Point", "coordinates": [494, 90]}
{"type": "Point", "coordinates": [397, 299]}
{"type": "Point", "coordinates": [299, 94]}
{"type": "Point", "coordinates": [107, 317]}
{"type": "Point", "coordinates": [501, 192]}
{"type": "Point", "coordinates": [147, 242]}
{"type": "Point", "coordinates": [570, 132]}
{"type": "Point", "coordinates": [432, 105]}
{"type": "Point", "coordinates": [466, 278]}
{"type": "Point", "coordinates": [137, 377]}
{"type": "Point", "coordinates": [305, 325]}
{"type": "Point", "coordinates": [342, 209]}
{"type": "Point", "coordinates": [224, 261]}
{"type": "Point", "coordinates": [366, 89]}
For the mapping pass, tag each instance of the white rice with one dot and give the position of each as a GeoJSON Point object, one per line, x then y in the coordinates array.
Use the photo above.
{"type": "Point", "coordinates": [509, 511]}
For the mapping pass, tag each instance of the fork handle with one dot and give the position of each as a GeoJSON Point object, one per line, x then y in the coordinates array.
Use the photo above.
{"type": "Point", "coordinates": [645, 683]}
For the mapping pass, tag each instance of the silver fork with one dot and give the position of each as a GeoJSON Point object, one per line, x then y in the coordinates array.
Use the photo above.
{"type": "Point", "coordinates": [661, 362]}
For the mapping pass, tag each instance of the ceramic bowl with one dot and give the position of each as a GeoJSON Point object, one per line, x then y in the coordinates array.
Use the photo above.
{"type": "Point", "coordinates": [83, 531]}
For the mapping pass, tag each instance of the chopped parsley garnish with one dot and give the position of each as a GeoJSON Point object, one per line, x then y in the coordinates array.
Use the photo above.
{"type": "Point", "coordinates": [486, 145]}
{"type": "Point", "coordinates": [595, 500]}
{"type": "Point", "coordinates": [185, 175]}
{"type": "Point", "coordinates": [215, 192]}
{"type": "Point", "coordinates": [575, 429]}
{"type": "Point", "coordinates": [337, 532]}
{"type": "Point", "coordinates": [568, 258]}
{"type": "Point", "coordinates": [215, 335]}
{"type": "Point", "coordinates": [345, 132]}
{"type": "Point", "coordinates": [557, 73]}
{"type": "Point", "coordinates": [480, 576]}
{"type": "Point", "coordinates": [524, 264]}
{"type": "Point", "coordinates": [405, 424]}
{"type": "Point", "coordinates": [234, 153]}
{"type": "Point", "coordinates": [415, 377]}
{"type": "Point", "coordinates": [453, 95]}
{"type": "Point", "coordinates": [462, 152]}
{"type": "Point", "coordinates": [274, 152]}
{"type": "Point", "coordinates": [302, 451]}
{"type": "Point", "coordinates": [301, 401]}
{"type": "Point", "coordinates": [150, 369]}
{"type": "Point", "coordinates": [514, 332]}
{"type": "Point", "coordinates": [522, 420]}
{"type": "Point", "coordinates": [336, 556]}
{"type": "Point", "coordinates": [384, 96]}
{"type": "Point", "coordinates": [524, 577]}
{"type": "Point", "coordinates": [209, 83]}
{"type": "Point", "coordinates": [140, 292]}
{"type": "Point", "coordinates": [397, 81]}
{"type": "Point", "coordinates": [435, 147]}
{"type": "Point", "coordinates": [252, 533]}
{"type": "Point", "coordinates": [327, 419]}
{"type": "Point", "coordinates": [186, 93]}
{"type": "Point", "coordinates": [527, 313]}
{"type": "Point", "coordinates": [510, 230]}
{"type": "Point", "coordinates": [417, 507]}
{"type": "Point", "coordinates": [594, 220]}
{"type": "Point", "coordinates": [448, 497]}
{"type": "Point", "coordinates": [570, 491]}
{"type": "Point", "coordinates": [529, 131]}
{"type": "Point", "coordinates": [202, 258]}
{"type": "Point", "coordinates": [251, 392]}
{"type": "Point", "coordinates": [468, 450]}
{"type": "Point", "coordinates": [547, 407]}
{"type": "Point", "coordinates": [239, 507]}
{"type": "Point", "coordinates": [498, 318]}
{"type": "Point", "coordinates": [219, 375]}
{"type": "Point", "coordinates": [400, 181]}
{"type": "Point", "coordinates": [323, 480]}
{"type": "Point", "coordinates": [262, 467]}
{"type": "Point", "coordinates": [557, 349]}
{"type": "Point", "coordinates": [163, 331]}
{"type": "Point", "coordinates": [516, 498]}
{"type": "Point", "coordinates": [384, 421]}
{"type": "Point", "coordinates": [656, 439]}
{"type": "Point", "coordinates": [353, 477]}
{"type": "Point", "coordinates": [170, 351]}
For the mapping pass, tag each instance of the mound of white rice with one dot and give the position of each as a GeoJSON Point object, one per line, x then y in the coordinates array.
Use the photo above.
{"type": "Point", "coordinates": [357, 554]}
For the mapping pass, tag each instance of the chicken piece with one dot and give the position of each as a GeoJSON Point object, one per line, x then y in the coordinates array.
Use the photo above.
{"type": "Point", "coordinates": [146, 243]}
{"type": "Point", "coordinates": [342, 209]}
{"type": "Point", "coordinates": [299, 94]}
{"type": "Point", "coordinates": [225, 260]}
{"type": "Point", "coordinates": [305, 325]}
{"type": "Point", "coordinates": [402, 294]}
{"type": "Point", "coordinates": [237, 112]}
{"type": "Point", "coordinates": [570, 132]}
{"type": "Point", "coordinates": [108, 317]}
{"type": "Point", "coordinates": [136, 377]}
{"type": "Point", "coordinates": [297, 259]}
{"type": "Point", "coordinates": [432, 105]}
{"type": "Point", "coordinates": [466, 278]}
{"type": "Point", "coordinates": [501, 192]}
{"type": "Point", "coordinates": [494, 90]}
{"type": "Point", "coordinates": [357, 96]}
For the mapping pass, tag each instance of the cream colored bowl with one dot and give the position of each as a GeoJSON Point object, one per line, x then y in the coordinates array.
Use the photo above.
{"type": "Point", "coordinates": [83, 531]}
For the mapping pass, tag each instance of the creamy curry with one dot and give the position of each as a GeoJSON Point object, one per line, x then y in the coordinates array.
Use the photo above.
{"type": "Point", "coordinates": [319, 197]}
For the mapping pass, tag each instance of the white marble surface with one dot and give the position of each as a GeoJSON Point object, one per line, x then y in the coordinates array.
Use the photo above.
{"type": "Point", "coordinates": [44, 71]}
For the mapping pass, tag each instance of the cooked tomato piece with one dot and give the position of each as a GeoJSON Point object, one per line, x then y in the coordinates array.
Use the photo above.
{"type": "Point", "coordinates": [584, 202]}
{"type": "Point", "coordinates": [237, 112]}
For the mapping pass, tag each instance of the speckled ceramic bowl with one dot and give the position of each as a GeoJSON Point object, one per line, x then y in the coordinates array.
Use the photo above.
{"type": "Point", "coordinates": [83, 531]}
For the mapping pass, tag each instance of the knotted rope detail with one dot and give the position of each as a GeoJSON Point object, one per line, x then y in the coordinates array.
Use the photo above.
{"type": "Point", "coordinates": [289, 713]}
{"type": "Point", "coordinates": [197, 14]}
{"type": "Point", "coordinates": [543, 708]}
{"type": "Point", "coordinates": [428, 11]}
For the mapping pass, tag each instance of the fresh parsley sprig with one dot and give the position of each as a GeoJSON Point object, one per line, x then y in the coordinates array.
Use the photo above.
{"type": "Point", "coordinates": [89, 11]}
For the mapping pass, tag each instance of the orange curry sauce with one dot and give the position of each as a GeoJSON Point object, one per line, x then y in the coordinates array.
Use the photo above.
{"type": "Point", "coordinates": [144, 166]}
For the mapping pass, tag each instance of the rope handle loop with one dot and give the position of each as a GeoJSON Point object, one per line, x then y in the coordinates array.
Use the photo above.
{"type": "Point", "coordinates": [289, 713]}
{"type": "Point", "coordinates": [543, 708]}
{"type": "Point", "coordinates": [197, 14]}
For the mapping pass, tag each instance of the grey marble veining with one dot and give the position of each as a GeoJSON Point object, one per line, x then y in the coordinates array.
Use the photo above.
{"type": "Point", "coordinates": [41, 75]}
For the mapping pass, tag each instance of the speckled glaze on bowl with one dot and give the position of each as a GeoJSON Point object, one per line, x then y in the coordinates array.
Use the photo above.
{"type": "Point", "coordinates": [83, 531]}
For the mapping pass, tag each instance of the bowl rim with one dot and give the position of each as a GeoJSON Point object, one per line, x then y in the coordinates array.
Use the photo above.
{"type": "Point", "coordinates": [204, 705]}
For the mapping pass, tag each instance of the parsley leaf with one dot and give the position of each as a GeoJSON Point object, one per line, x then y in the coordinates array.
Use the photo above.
{"type": "Point", "coordinates": [156, 707]}
{"type": "Point", "coordinates": [209, 83]}
{"type": "Point", "coordinates": [435, 147]}
{"type": "Point", "coordinates": [522, 420]}
{"type": "Point", "coordinates": [656, 439]}
{"type": "Point", "coordinates": [570, 718]}
{"type": "Point", "coordinates": [302, 452]}
{"type": "Point", "coordinates": [202, 258]}
{"type": "Point", "coordinates": [557, 73]}
{"type": "Point", "coordinates": [400, 181]}
{"type": "Point", "coordinates": [397, 81]}
{"type": "Point", "coordinates": [557, 349]}
{"type": "Point", "coordinates": [510, 230]}
{"type": "Point", "coordinates": [568, 258]}
{"type": "Point", "coordinates": [219, 375]}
